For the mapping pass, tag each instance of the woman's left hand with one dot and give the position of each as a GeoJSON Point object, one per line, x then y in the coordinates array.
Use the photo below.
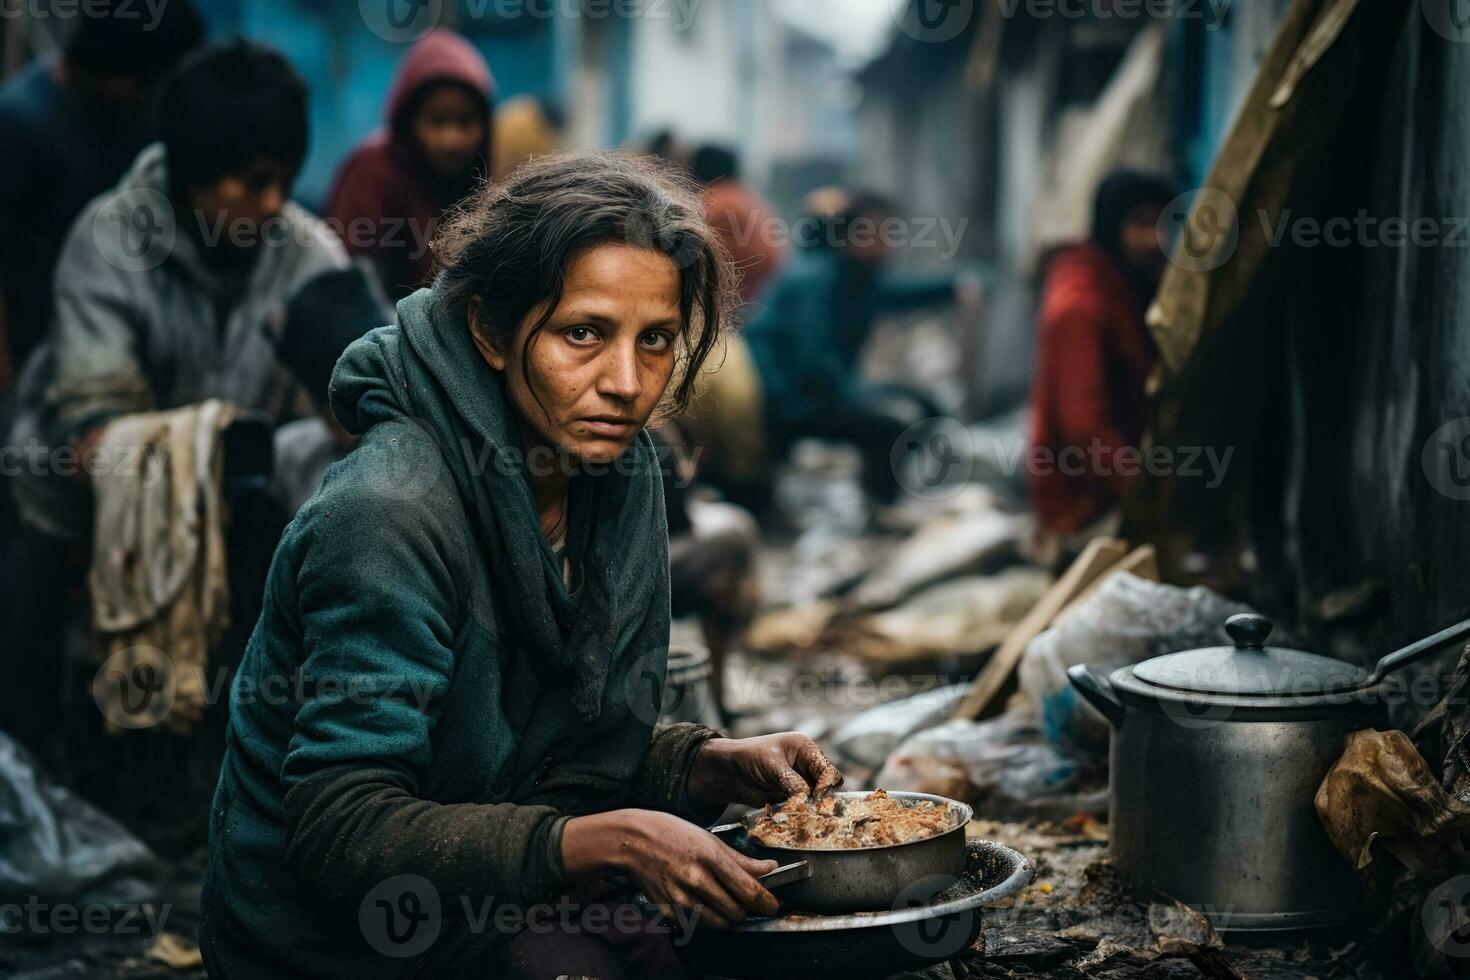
{"type": "Point", "coordinates": [757, 771]}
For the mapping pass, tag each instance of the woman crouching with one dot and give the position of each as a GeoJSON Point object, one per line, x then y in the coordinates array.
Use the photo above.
{"type": "Point", "coordinates": [442, 728]}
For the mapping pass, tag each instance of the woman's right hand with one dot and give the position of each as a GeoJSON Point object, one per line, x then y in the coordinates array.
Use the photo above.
{"type": "Point", "coordinates": [673, 861]}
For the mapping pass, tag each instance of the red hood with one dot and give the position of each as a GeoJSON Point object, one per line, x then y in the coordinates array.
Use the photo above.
{"type": "Point", "coordinates": [439, 56]}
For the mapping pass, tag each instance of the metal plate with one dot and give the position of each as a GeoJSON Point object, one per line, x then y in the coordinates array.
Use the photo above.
{"type": "Point", "coordinates": [992, 872]}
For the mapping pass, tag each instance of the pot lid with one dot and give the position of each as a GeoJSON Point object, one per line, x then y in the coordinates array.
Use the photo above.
{"type": "Point", "coordinates": [1250, 667]}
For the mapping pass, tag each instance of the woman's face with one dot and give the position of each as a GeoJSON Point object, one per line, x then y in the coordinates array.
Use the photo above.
{"type": "Point", "coordinates": [600, 365]}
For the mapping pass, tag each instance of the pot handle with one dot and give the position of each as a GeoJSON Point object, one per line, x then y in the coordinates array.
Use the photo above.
{"type": "Point", "coordinates": [1415, 651]}
{"type": "Point", "coordinates": [1098, 692]}
{"type": "Point", "coordinates": [786, 874]}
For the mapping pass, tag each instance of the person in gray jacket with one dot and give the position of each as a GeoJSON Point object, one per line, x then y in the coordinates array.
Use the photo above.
{"type": "Point", "coordinates": [171, 289]}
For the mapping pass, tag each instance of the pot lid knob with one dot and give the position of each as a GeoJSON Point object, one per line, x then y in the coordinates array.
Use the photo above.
{"type": "Point", "coordinates": [1248, 630]}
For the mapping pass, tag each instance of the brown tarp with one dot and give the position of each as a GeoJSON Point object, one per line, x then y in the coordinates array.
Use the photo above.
{"type": "Point", "coordinates": [1218, 315]}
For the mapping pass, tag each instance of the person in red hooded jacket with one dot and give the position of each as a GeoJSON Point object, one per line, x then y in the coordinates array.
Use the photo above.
{"type": "Point", "coordinates": [1094, 355]}
{"type": "Point", "coordinates": [389, 193]}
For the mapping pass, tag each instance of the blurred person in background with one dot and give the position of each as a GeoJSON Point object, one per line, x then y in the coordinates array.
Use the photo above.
{"type": "Point", "coordinates": [1094, 355]}
{"type": "Point", "coordinates": [435, 145]}
{"type": "Point", "coordinates": [726, 423]}
{"type": "Point", "coordinates": [745, 220]}
{"type": "Point", "coordinates": [171, 290]}
{"type": "Point", "coordinates": [808, 336]}
{"type": "Point", "coordinates": [666, 146]}
{"type": "Point", "coordinates": [72, 124]}
{"type": "Point", "coordinates": [526, 127]}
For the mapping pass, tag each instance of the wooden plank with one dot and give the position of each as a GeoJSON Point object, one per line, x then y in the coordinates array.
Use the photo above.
{"type": "Point", "coordinates": [1142, 561]}
{"type": "Point", "coordinates": [1100, 555]}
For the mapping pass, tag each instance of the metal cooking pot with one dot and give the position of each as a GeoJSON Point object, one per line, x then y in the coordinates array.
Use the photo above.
{"type": "Point", "coordinates": [859, 879]}
{"type": "Point", "coordinates": [1216, 758]}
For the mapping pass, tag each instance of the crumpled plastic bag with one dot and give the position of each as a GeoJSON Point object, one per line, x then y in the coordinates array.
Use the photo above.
{"type": "Point", "coordinates": [1003, 765]}
{"type": "Point", "coordinates": [1126, 621]}
{"type": "Point", "coordinates": [868, 739]}
{"type": "Point", "coordinates": [55, 847]}
{"type": "Point", "coordinates": [1381, 789]}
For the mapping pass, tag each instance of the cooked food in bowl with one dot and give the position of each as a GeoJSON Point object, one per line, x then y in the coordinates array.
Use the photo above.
{"type": "Point", "coordinates": [875, 820]}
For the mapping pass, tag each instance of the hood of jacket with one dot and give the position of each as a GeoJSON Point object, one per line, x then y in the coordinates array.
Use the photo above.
{"type": "Point", "coordinates": [439, 56]}
{"type": "Point", "coordinates": [426, 371]}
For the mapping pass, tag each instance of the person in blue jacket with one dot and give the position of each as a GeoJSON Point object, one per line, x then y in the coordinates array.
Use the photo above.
{"type": "Point", "coordinates": [808, 338]}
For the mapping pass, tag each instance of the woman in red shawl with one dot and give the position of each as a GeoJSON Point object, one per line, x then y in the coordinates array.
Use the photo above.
{"type": "Point", "coordinates": [1094, 355]}
{"type": "Point", "coordinates": [389, 194]}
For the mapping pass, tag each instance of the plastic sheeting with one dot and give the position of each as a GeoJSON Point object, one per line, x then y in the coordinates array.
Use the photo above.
{"type": "Point", "coordinates": [55, 847]}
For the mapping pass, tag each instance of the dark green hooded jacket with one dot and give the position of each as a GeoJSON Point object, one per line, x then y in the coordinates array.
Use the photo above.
{"type": "Point", "coordinates": [423, 704]}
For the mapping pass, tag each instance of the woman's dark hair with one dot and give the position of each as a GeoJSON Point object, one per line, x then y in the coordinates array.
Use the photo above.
{"type": "Point", "coordinates": [511, 244]}
{"type": "Point", "coordinates": [227, 107]}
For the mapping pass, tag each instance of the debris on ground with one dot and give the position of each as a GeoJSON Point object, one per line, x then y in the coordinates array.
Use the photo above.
{"type": "Point", "coordinates": [983, 541]}
{"type": "Point", "coordinates": [964, 615]}
{"type": "Point", "coordinates": [1382, 792]}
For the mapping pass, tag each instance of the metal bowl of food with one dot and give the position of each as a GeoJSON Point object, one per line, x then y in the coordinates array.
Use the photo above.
{"type": "Point", "coordinates": [861, 852]}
